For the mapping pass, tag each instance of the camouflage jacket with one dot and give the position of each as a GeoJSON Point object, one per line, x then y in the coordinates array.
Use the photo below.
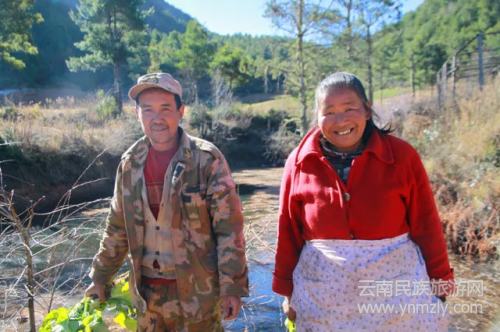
{"type": "Point", "coordinates": [207, 227]}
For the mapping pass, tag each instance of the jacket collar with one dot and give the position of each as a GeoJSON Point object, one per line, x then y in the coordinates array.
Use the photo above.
{"type": "Point", "coordinates": [310, 146]}
{"type": "Point", "coordinates": [139, 150]}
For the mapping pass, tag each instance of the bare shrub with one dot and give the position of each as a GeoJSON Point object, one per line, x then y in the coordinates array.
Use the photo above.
{"type": "Point", "coordinates": [44, 266]}
{"type": "Point", "coordinates": [281, 143]}
{"type": "Point", "coordinates": [460, 148]}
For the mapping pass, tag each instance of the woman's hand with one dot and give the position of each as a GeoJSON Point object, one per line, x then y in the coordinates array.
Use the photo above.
{"type": "Point", "coordinates": [289, 312]}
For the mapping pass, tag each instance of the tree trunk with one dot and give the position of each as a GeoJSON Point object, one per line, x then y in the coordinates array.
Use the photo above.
{"type": "Point", "coordinates": [302, 84]}
{"type": "Point", "coordinates": [370, 69]}
{"type": "Point", "coordinates": [195, 88]}
{"type": "Point", "coordinates": [31, 283]}
{"type": "Point", "coordinates": [266, 80]}
{"type": "Point", "coordinates": [116, 69]}
{"type": "Point", "coordinates": [117, 91]}
{"type": "Point", "coordinates": [382, 85]}
{"type": "Point", "coordinates": [349, 28]}
{"type": "Point", "coordinates": [412, 73]}
{"type": "Point", "coordinates": [24, 232]}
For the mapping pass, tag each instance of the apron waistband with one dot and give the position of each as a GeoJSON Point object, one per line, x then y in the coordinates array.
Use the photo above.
{"type": "Point", "coordinates": [400, 239]}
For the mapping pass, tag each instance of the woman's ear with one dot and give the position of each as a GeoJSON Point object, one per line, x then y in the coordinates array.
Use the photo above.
{"type": "Point", "coordinates": [368, 110]}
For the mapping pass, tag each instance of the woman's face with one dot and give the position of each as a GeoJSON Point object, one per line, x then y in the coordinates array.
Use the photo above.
{"type": "Point", "coordinates": [342, 118]}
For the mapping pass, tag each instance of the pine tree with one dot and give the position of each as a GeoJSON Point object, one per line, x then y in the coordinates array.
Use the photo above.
{"type": "Point", "coordinates": [300, 19]}
{"type": "Point", "coordinates": [16, 21]}
{"type": "Point", "coordinates": [107, 25]}
{"type": "Point", "coordinates": [233, 64]}
{"type": "Point", "coordinates": [372, 15]}
{"type": "Point", "coordinates": [195, 54]}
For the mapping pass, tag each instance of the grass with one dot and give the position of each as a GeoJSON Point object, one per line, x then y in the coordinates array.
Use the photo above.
{"type": "Point", "coordinates": [55, 127]}
{"type": "Point", "coordinates": [389, 93]}
{"type": "Point", "coordinates": [285, 103]}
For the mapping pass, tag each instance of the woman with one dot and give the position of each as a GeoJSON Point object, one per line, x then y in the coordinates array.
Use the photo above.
{"type": "Point", "coordinates": [357, 217]}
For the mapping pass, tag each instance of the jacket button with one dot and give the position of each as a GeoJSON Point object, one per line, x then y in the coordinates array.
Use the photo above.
{"type": "Point", "coordinates": [157, 253]}
{"type": "Point", "coordinates": [347, 197]}
{"type": "Point", "coordinates": [157, 228]}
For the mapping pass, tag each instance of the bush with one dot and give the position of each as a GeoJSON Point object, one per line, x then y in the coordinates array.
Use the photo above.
{"type": "Point", "coordinates": [10, 113]}
{"type": "Point", "coordinates": [106, 105]}
{"type": "Point", "coordinates": [461, 152]}
{"type": "Point", "coordinates": [281, 143]}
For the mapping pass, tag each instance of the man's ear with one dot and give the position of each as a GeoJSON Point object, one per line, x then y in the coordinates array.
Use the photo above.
{"type": "Point", "coordinates": [181, 111]}
{"type": "Point", "coordinates": [136, 112]}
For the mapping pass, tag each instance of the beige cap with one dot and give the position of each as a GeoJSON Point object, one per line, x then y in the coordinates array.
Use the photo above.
{"type": "Point", "coordinates": [156, 80]}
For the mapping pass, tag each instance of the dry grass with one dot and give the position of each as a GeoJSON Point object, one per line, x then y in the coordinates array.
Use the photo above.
{"type": "Point", "coordinates": [286, 103]}
{"type": "Point", "coordinates": [66, 126]}
{"type": "Point", "coordinates": [460, 147]}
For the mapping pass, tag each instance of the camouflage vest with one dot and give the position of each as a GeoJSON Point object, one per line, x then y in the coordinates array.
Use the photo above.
{"type": "Point", "coordinates": [207, 227]}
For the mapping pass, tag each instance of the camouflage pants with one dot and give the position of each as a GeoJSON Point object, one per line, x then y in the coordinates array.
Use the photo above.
{"type": "Point", "coordinates": [164, 312]}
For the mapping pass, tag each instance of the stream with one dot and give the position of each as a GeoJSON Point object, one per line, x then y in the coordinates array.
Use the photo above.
{"type": "Point", "coordinates": [259, 191]}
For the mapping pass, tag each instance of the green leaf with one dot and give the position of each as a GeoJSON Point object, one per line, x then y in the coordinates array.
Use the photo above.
{"type": "Point", "coordinates": [125, 321]}
{"type": "Point", "coordinates": [291, 327]}
{"type": "Point", "coordinates": [95, 323]}
{"type": "Point", "coordinates": [56, 320]}
{"type": "Point", "coordinates": [87, 314]}
{"type": "Point", "coordinates": [74, 325]}
{"type": "Point", "coordinates": [78, 310]}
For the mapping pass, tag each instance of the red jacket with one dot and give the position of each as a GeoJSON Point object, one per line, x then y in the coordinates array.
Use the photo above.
{"type": "Point", "coordinates": [387, 194]}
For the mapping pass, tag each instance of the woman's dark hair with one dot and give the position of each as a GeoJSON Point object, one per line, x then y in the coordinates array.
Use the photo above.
{"type": "Point", "coordinates": [178, 100]}
{"type": "Point", "coordinates": [349, 81]}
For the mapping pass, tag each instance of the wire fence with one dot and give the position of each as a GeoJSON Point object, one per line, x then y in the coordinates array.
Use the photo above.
{"type": "Point", "coordinates": [471, 66]}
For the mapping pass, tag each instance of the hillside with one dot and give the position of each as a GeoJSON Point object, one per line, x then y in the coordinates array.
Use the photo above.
{"type": "Point", "coordinates": [166, 17]}
{"type": "Point", "coordinates": [55, 38]}
{"type": "Point", "coordinates": [429, 35]}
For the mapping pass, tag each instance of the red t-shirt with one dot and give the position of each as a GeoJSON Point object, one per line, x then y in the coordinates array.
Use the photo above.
{"type": "Point", "coordinates": [154, 173]}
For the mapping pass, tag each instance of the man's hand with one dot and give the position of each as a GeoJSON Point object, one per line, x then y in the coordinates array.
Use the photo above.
{"type": "Point", "coordinates": [289, 312]}
{"type": "Point", "coordinates": [231, 305]}
{"type": "Point", "coordinates": [98, 289]}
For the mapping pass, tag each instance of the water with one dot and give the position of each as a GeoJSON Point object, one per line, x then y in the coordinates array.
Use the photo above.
{"type": "Point", "coordinates": [259, 190]}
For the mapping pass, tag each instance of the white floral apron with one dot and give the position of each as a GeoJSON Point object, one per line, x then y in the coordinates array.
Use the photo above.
{"type": "Point", "coordinates": [334, 279]}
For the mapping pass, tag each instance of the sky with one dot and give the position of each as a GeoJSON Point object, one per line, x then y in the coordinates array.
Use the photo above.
{"type": "Point", "coordinates": [241, 16]}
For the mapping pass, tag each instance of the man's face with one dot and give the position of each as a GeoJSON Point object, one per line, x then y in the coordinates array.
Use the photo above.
{"type": "Point", "coordinates": [159, 118]}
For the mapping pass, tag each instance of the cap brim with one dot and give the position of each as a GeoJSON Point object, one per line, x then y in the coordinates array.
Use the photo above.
{"type": "Point", "coordinates": [136, 89]}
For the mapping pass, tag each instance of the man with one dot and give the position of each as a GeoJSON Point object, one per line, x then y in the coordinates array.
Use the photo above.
{"type": "Point", "coordinates": [175, 211]}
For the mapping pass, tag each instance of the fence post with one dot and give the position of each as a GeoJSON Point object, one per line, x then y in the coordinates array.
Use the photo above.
{"type": "Point", "coordinates": [480, 58]}
{"type": "Point", "coordinates": [444, 78]}
{"type": "Point", "coordinates": [438, 83]}
{"type": "Point", "coordinates": [454, 73]}
{"type": "Point", "coordinates": [412, 73]}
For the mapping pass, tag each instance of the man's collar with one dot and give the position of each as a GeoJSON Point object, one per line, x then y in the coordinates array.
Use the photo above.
{"type": "Point", "coordinates": [138, 151]}
{"type": "Point", "coordinates": [186, 153]}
